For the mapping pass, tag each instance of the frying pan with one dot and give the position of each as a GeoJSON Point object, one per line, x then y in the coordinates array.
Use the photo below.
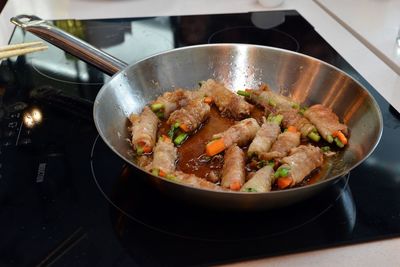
{"type": "Point", "coordinates": [306, 79]}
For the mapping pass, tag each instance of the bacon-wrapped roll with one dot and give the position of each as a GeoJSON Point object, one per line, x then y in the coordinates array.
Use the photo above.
{"type": "Point", "coordinates": [327, 123]}
{"type": "Point", "coordinates": [264, 139]}
{"type": "Point", "coordinates": [165, 104]}
{"type": "Point", "coordinates": [292, 117]}
{"type": "Point", "coordinates": [300, 163]}
{"type": "Point", "coordinates": [194, 181]}
{"type": "Point", "coordinates": [280, 104]}
{"type": "Point", "coordinates": [191, 116]}
{"type": "Point", "coordinates": [261, 181]}
{"type": "Point", "coordinates": [241, 133]}
{"type": "Point", "coordinates": [226, 101]}
{"type": "Point", "coordinates": [269, 99]}
{"type": "Point", "coordinates": [233, 171]}
{"type": "Point", "coordinates": [284, 143]}
{"type": "Point", "coordinates": [145, 162]}
{"type": "Point", "coordinates": [144, 130]}
{"type": "Point", "coordinates": [164, 157]}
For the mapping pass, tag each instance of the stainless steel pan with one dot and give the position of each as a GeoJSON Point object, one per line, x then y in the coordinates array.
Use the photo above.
{"type": "Point", "coordinates": [306, 79]}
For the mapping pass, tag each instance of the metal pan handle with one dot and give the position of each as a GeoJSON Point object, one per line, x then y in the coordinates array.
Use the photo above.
{"type": "Point", "coordinates": [69, 43]}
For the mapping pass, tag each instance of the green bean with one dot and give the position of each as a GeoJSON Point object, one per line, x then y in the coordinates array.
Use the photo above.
{"type": "Point", "coordinates": [314, 136]}
{"type": "Point", "coordinates": [338, 142]}
{"type": "Point", "coordinates": [180, 138]}
{"type": "Point", "coordinates": [157, 106]}
{"type": "Point", "coordinates": [277, 119]}
{"type": "Point", "coordinates": [243, 93]}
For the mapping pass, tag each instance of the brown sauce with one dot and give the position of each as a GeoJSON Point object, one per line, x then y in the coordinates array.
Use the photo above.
{"type": "Point", "coordinates": [191, 157]}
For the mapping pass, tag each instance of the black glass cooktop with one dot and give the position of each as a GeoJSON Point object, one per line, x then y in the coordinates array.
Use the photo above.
{"type": "Point", "coordinates": [67, 200]}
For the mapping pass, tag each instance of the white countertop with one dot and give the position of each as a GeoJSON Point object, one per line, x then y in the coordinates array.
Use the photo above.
{"type": "Point", "coordinates": [378, 73]}
{"type": "Point", "coordinates": [375, 23]}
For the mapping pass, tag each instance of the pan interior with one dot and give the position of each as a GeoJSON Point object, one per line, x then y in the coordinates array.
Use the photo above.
{"type": "Point", "coordinates": [305, 79]}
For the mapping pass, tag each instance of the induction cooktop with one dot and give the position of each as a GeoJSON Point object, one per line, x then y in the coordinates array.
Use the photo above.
{"type": "Point", "coordinates": [67, 200]}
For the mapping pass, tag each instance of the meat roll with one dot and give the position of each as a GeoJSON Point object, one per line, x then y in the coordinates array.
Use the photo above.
{"type": "Point", "coordinates": [194, 181]}
{"type": "Point", "coordinates": [264, 139]}
{"type": "Point", "coordinates": [269, 99]}
{"type": "Point", "coordinates": [144, 130]}
{"type": "Point", "coordinates": [285, 141]}
{"type": "Point", "coordinates": [191, 116]}
{"type": "Point", "coordinates": [164, 158]}
{"type": "Point", "coordinates": [292, 117]}
{"type": "Point", "coordinates": [227, 102]}
{"type": "Point", "coordinates": [326, 121]}
{"type": "Point", "coordinates": [233, 171]}
{"type": "Point", "coordinates": [261, 181]}
{"type": "Point", "coordinates": [241, 133]}
{"type": "Point", "coordinates": [301, 162]}
{"type": "Point", "coordinates": [165, 104]}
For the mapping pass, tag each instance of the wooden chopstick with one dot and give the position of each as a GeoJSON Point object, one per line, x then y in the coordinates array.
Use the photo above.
{"type": "Point", "coordinates": [21, 49]}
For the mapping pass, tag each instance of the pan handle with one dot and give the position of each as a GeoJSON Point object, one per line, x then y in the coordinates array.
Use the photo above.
{"type": "Point", "coordinates": [69, 43]}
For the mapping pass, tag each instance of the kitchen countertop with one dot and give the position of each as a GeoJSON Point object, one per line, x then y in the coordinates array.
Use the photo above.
{"type": "Point", "coordinates": [376, 24]}
{"type": "Point", "coordinates": [351, 39]}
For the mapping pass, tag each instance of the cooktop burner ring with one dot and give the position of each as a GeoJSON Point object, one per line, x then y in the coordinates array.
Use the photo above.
{"type": "Point", "coordinates": [254, 35]}
{"type": "Point", "coordinates": [122, 201]}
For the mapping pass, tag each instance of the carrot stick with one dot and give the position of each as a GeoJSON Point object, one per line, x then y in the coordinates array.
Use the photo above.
{"type": "Point", "coordinates": [215, 147]}
{"type": "Point", "coordinates": [162, 173]}
{"type": "Point", "coordinates": [147, 149]}
{"type": "Point", "coordinates": [166, 138]}
{"type": "Point", "coordinates": [184, 127]}
{"type": "Point", "coordinates": [341, 137]}
{"type": "Point", "coordinates": [208, 100]}
{"type": "Point", "coordinates": [284, 182]}
{"type": "Point", "coordinates": [292, 129]}
{"type": "Point", "coordinates": [235, 186]}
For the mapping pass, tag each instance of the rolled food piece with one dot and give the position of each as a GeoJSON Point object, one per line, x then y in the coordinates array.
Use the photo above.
{"type": "Point", "coordinates": [190, 116]}
{"type": "Point", "coordinates": [282, 146]}
{"type": "Point", "coordinates": [227, 101]}
{"type": "Point", "coordinates": [144, 130]}
{"type": "Point", "coordinates": [292, 117]}
{"type": "Point", "coordinates": [194, 181]}
{"type": "Point", "coordinates": [167, 103]}
{"type": "Point", "coordinates": [261, 181]}
{"type": "Point", "coordinates": [233, 171]}
{"type": "Point", "coordinates": [269, 99]}
{"type": "Point", "coordinates": [280, 104]}
{"type": "Point", "coordinates": [327, 124]}
{"type": "Point", "coordinates": [241, 133]}
{"type": "Point", "coordinates": [164, 157]}
{"type": "Point", "coordinates": [300, 163]}
{"type": "Point", "coordinates": [265, 137]}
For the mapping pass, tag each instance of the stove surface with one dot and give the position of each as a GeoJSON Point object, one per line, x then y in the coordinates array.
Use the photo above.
{"type": "Point", "coordinates": [67, 200]}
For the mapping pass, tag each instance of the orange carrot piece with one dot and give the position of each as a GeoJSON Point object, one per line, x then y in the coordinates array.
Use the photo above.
{"type": "Point", "coordinates": [184, 127]}
{"type": "Point", "coordinates": [147, 149]}
{"type": "Point", "coordinates": [208, 100]}
{"type": "Point", "coordinates": [162, 173]}
{"type": "Point", "coordinates": [341, 137]}
{"type": "Point", "coordinates": [292, 129]}
{"type": "Point", "coordinates": [141, 143]}
{"type": "Point", "coordinates": [215, 147]}
{"type": "Point", "coordinates": [284, 182]}
{"type": "Point", "coordinates": [235, 186]}
{"type": "Point", "coordinates": [166, 138]}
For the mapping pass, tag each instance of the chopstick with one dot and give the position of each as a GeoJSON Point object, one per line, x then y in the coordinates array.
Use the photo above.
{"type": "Point", "coordinates": [21, 49]}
